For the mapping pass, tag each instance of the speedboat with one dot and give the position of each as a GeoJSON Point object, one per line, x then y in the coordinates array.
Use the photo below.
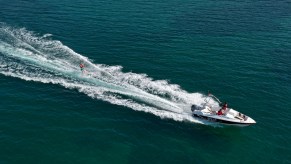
{"type": "Point", "coordinates": [219, 114]}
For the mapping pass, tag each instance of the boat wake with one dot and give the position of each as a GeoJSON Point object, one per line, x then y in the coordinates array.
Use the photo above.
{"type": "Point", "coordinates": [31, 57]}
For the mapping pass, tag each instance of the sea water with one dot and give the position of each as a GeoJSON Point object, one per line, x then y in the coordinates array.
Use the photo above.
{"type": "Point", "coordinates": [146, 63]}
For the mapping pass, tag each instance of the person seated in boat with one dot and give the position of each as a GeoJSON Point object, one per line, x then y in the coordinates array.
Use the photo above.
{"type": "Point", "coordinates": [242, 116]}
{"type": "Point", "coordinates": [223, 109]}
{"type": "Point", "coordinates": [220, 112]}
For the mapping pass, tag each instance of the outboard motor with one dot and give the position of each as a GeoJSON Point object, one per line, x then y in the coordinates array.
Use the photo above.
{"type": "Point", "coordinates": [195, 107]}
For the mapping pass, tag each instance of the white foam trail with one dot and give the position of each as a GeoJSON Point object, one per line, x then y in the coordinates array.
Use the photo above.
{"type": "Point", "coordinates": [29, 57]}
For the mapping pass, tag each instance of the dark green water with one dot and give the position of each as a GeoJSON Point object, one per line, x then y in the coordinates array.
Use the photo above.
{"type": "Point", "coordinates": [171, 52]}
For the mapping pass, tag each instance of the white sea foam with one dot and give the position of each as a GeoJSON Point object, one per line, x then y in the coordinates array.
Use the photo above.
{"type": "Point", "coordinates": [29, 57]}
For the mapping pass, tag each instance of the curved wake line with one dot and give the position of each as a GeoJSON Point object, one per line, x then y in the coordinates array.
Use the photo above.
{"type": "Point", "coordinates": [30, 57]}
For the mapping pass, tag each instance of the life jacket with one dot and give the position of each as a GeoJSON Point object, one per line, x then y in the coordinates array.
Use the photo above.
{"type": "Point", "coordinates": [82, 66]}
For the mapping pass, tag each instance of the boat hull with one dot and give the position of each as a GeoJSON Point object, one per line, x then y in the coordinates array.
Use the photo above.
{"type": "Point", "coordinates": [226, 122]}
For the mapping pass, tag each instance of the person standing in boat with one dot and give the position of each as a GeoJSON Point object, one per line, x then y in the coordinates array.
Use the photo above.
{"type": "Point", "coordinates": [224, 107]}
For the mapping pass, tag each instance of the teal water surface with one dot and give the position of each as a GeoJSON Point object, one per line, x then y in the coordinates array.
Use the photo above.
{"type": "Point", "coordinates": [149, 61]}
